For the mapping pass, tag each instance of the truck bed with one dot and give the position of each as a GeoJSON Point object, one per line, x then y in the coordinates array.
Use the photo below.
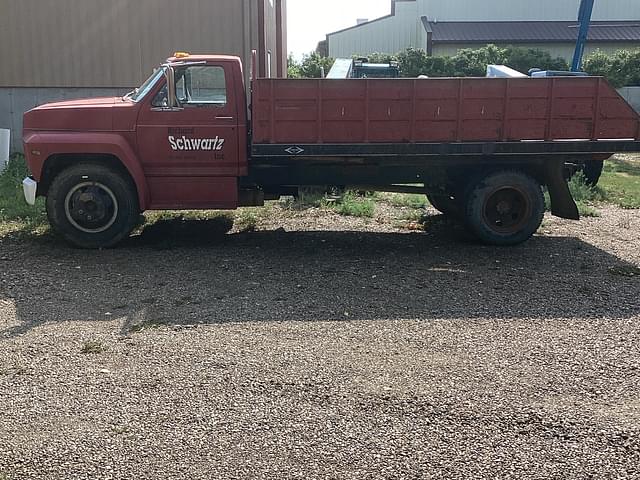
{"type": "Point", "coordinates": [587, 110]}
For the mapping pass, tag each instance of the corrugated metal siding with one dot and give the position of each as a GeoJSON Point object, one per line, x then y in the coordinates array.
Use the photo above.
{"type": "Point", "coordinates": [393, 34]}
{"type": "Point", "coordinates": [540, 10]}
{"type": "Point", "coordinates": [532, 31]}
{"type": "Point", "coordinates": [116, 43]}
{"type": "Point", "coordinates": [388, 35]}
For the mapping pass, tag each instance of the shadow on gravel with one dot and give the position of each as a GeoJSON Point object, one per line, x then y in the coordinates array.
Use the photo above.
{"type": "Point", "coordinates": [191, 273]}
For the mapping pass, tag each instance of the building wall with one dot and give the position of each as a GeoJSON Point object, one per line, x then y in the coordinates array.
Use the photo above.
{"type": "Point", "coordinates": [511, 10]}
{"type": "Point", "coordinates": [116, 43]}
{"type": "Point", "coordinates": [631, 95]}
{"type": "Point", "coordinates": [275, 51]}
{"type": "Point", "coordinates": [393, 34]}
{"type": "Point", "coordinates": [15, 101]}
{"type": "Point", "coordinates": [387, 35]}
{"type": "Point", "coordinates": [67, 49]}
{"type": "Point", "coordinates": [564, 50]}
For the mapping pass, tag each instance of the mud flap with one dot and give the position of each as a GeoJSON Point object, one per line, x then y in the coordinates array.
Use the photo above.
{"type": "Point", "coordinates": [562, 203]}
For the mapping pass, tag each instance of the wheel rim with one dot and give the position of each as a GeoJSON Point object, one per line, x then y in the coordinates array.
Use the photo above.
{"type": "Point", "coordinates": [91, 207]}
{"type": "Point", "coordinates": [507, 210]}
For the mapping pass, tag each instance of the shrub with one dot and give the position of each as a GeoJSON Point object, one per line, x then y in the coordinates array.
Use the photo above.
{"type": "Point", "coordinates": [473, 62]}
{"type": "Point", "coordinates": [92, 347]}
{"type": "Point", "coordinates": [584, 195]}
{"type": "Point", "coordinates": [246, 220]}
{"type": "Point", "coordinates": [415, 62]}
{"type": "Point", "coordinates": [621, 68]}
{"type": "Point", "coordinates": [378, 57]}
{"type": "Point", "coordinates": [310, 67]}
{"type": "Point", "coordinates": [524, 59]}
{"type": "Point", "coordinates": [352, 205]}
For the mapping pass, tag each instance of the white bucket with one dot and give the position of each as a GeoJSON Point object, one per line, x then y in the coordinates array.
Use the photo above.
{"type": "Point", "coordinates": [5, 140]}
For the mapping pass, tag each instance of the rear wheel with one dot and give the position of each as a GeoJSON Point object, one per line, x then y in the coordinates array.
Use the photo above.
{"type": "Point", "coordinates": [504, 208]}
{"type": "Point", "coordinates": [92, 206]}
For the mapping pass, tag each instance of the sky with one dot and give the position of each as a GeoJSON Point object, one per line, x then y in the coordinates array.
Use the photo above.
{"type": "Point", "coordinates": [309, 21]}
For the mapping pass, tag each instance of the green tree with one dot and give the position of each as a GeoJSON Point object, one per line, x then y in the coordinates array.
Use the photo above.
{"type": "Point", "coordinates": [293, 67]}
{"type": "Point", "coordinates": [378, 57]}
{"type": "Point", "coordinates": [413, 62]}
{"type": "Point", "coordinates": [599, 64]}
{"type": "Point", "coordinates": [621, 68]}
{"type": "Point", "coordinates": [312, 65]}
{"type": "Point", "coordinates": [524, 59]}
{"type": "Point", "coordinates": [626, 64]}
{"type": "Point", "coordinates": [473, 62]}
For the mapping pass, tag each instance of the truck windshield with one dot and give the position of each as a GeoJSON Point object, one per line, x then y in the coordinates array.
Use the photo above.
{"type": "Point", "coordinates": [139, 93]}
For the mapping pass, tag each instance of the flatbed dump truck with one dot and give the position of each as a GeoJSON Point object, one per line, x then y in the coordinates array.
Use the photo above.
{"type": "Point", "coordinates": [482, 149]}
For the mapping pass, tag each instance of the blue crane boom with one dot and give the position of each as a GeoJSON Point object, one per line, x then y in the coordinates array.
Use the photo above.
{"type": "Point", "coordinates": [584, 21]}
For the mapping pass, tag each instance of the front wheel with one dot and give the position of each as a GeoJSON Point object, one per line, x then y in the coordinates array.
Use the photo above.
{"type": "Point", "coordinates": [504, 208]}
{"type": "Point", "coordinates": [92, 206]}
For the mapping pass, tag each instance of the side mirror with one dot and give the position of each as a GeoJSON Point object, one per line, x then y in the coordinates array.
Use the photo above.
{"type": "Point", "coordinates": [170, 76]}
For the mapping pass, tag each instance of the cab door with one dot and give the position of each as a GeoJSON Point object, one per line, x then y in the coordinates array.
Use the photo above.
{"type": "Point", "coordinates": [189, 151]}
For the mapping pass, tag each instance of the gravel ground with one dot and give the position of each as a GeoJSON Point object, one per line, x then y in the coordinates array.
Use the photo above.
{"type": "Point", "coordinates": [322, 347]}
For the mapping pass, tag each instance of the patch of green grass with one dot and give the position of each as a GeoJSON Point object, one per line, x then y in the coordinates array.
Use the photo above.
{"type": "Point", "coordinates": [184, 215]}
{"type": "Point", "coordinates": [15, 215]}
{"type": "Point", "coordinates": [311, 197]}
{"type": "Point", "coordinates": [620, 181]}
{"type": "Point", "coordinates": [308, 197]}
{"type": "Point", "coordinates": [145, 325]}
{"type": "Point", "coordinates": [583, 192]}
{"type": "Point", "coordinates": [119, 430]}
{"type": "Point", "coordinates": [246, 220]}
{"type": "Point", "coordinates": [413, 216]}
{"type": "Point", "coordinates": [587, 210]}
{"type": "Point", "coordinates": [407, 200]}
{"type": "Point", "coordinates": [92, 347]}
{"type": "Point", "coordinates": [351, 204]}
{"type": "Point", "coordinates": [584, 195]}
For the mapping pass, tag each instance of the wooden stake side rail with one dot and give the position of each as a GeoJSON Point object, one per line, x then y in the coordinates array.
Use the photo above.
{"type": "Point", "coordinates": [296, 112]}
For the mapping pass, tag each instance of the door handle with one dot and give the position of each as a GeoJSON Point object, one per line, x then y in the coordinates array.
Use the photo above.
{"type": "Point", "coordinates": [223, 118]}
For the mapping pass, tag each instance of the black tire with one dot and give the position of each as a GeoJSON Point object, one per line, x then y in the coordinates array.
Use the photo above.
{"type": "Point", "coordinates": [92, 206]}
{"type": "Point", "coordinates": [446, 205]}
{"type": "Point", "coordinates": [592, 171]}
{"type": "Point", "coordinates": [504, 208]}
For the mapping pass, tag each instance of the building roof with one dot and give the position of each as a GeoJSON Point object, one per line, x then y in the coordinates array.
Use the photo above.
{"type": "Point", "coordinates": [529, 32]}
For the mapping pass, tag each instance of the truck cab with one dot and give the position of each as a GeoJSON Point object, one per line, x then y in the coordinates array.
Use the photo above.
{"type": "Point", "coordinates": [186, 127]}
{"type": "Point", "coordinates": [180, 139]}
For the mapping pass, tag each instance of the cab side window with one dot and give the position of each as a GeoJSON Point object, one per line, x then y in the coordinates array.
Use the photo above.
{"type": "Point", "coordinates": [197, 86]}
{"type": "Point", "coordinates": [203, 85]}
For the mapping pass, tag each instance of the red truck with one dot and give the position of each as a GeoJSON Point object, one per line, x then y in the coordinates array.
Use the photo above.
{"type": "Point", "coordinates": [481, 148]}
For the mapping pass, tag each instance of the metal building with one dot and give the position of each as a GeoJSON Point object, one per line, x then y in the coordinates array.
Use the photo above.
{"type": "Point", "coordinates": [444, 27]}
{"type": "Point", "coordinates": [62, 49]}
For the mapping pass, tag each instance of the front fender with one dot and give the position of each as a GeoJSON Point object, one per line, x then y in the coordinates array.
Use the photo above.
{"type": "Point", "coordinates": [41, 146]}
